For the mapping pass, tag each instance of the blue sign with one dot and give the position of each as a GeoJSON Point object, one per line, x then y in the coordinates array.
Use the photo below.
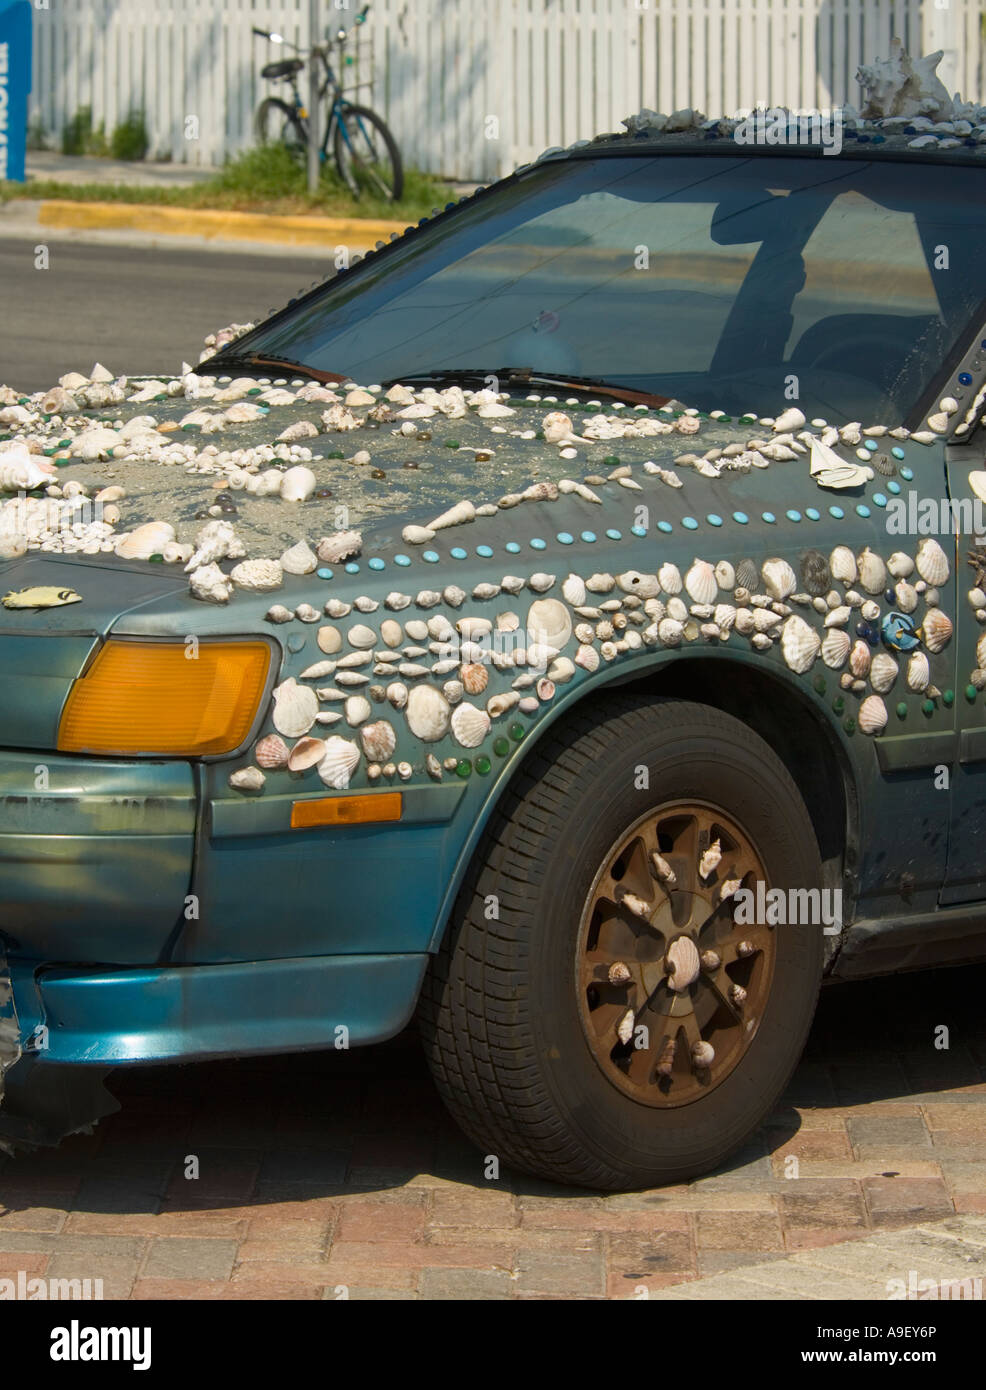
{"type": "Point", "coordinates": [15, 84]}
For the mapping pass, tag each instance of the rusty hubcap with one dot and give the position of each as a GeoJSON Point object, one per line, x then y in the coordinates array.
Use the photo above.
{"type": "Point", "coordinates": [671, 989]}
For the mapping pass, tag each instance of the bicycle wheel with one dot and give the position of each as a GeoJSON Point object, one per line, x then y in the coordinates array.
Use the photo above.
{"type": "Point", "coordinates": [366, 155]}
{"type": "Point", "coordinates": [278, 123]}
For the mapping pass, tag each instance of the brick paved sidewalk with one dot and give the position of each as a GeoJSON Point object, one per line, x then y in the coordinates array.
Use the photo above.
{"type": "Point", "coordinates": [341, 1173]}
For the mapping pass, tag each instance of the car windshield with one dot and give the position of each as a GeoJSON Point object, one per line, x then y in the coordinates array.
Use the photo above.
{"type": "Point", "coordinates": [725, 281]}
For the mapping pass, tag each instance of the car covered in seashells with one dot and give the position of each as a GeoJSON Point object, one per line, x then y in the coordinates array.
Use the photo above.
{"type": "Point", "coordinates": [555, 628]}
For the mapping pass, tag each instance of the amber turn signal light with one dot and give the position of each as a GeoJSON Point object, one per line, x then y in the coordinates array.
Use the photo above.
{"type": "Point", "coordinates": [171, 699]}
{"type": "Point", "coordinates": [347, 810]}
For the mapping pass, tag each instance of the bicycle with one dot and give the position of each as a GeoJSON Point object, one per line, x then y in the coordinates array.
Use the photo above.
{"type": "Point", "coordinates": [365, 152]}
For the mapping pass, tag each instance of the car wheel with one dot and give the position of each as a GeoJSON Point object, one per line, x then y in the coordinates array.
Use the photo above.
{"type": "Point", "coordinates": [596, 1015]}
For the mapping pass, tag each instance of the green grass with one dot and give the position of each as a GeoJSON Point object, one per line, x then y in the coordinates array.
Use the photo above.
{"type": "Point", "coordinates": [265, 179]}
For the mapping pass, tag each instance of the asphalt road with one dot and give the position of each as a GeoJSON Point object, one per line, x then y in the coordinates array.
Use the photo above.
{"type": "Point", "coordinates": [135, 310]}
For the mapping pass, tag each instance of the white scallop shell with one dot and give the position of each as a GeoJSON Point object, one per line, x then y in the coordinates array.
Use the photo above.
{"type": "Point", "coordinates": [872, 572]}
{"type": "Point", "coordinates": [379, 740]}
{"type": "Point", "coordinates": [936, 629]}
{"type": "Point", "coordinates": [883, 672]}
{"type": "Point", "coordinates": [918, 672]}
{"type": "Point", "coordinates": [779, 579]}
{"type": "Point", "coordinates": [271, 752]}
{"type": "Point", "coordinates": [835, 648]}
{"type": "Point", "coordinates": [549, 622]}
{"type": "Point", "coordinates": [800, 643]}
{"type": "Point", "coordinates": [295, 708]}
{"type": "Point", "coordinates": [932, 562]}
{"type": "Point", "coordinates": [901, 566]}
{"type": "Point", "coordinates": [872, 715]}
{"type": "Point", "coordinates": [573, 591]}
{"type": "Point", "coordinates": [670, 577]}
{"type": "Point", "coordinates": [428, 713]}
{"type": "Point", "coordinates": [338, 763]}
{"type": "Point", "coordinates": [469, 725]}
{"type": "Point", "coordinates": [700, 582]}
{"type": "Point", "coordinates": [842, 563]}
{"type": "Point", "coordinates": [860, 658]}
{"type": "Point", "coordinates": [588, 658]}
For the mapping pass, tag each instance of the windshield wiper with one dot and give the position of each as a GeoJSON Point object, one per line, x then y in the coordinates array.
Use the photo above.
{"type": "Point", "coordinates": [530, 376]}
{"type": "Point", "coordinates": [253, 361]}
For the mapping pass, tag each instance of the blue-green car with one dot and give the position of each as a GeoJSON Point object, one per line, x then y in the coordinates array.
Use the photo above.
{"type": "Point", "coordinates": [616, 674]}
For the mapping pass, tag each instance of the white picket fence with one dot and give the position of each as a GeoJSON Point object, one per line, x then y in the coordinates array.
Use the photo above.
{"type": "Point", "coordinates": [473, 87]}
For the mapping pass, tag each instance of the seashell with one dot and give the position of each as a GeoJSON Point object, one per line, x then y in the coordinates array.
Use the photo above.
{"type": "Point", "coordinates": [700, 582]}
{"type": "Point", "coordinates": [835, 648]}
{"type": "Point", "coordinates": [838, 617]}
{"type": "Point", "coordinates": [299, 559]}
{"type": "Point", "coordinates": [271, 752]}
{"type": "Point", "coordinates": [379, 740]}
{"type": "Point", "coordinates": [724, 617]}
{"type": "Point", "coordinates": [428, 598]}
{"type": "Point", "coordinates": [339, 546]}
{"type": "Point", "coordinates": [484, 591]}
{"type": "Point", "coordinates": [779, 579]}
{"type": "Point", "coordinates": [455, 516]}
{"type": "Point", "coordinates": [306, 753]}
{"type": "Point", "coordinates": [540, 582]}
{"type": "Point", "coordinates": [417, 535]}
{"type": "Point", "coordinates": [357, 710]}
{"type": "Point", "coordinates": [906, 596]}
{"type": "Point", "coordinates": [670, 631]}
{"type": "Point", "coordinates": [860, 657]}
{"type": "Point", "coordinates": [766, 622]}
{"type": "Point", "coordinates": [428, 713]}
{"type": "Point", "coordinates": [932, 562]}
{"type": "Point", "coordinates": [901, 566]}
{"type": "Point", "coordinates": [329, 639]}
{"type": "Point", "coordinates": [454, 596]}
{"type": "Point", "coordinates": [453, 691]}
{"type": "Point", "coordinates": [573, 590]}
{"type": "Point", "coordinates": [710, 860]}
{"type": "Point", "coordinates": [247, 779]}
{"type": "Point", "coordinates": [279, 614]}
{"type": "Point", "coordinates": [295, 708]}
{"type": "Point", "coordinates": [298, 484]}
{"type": "Point", "coordinates": [143, 542]}
{"type": "Point", "coordinates": [669, 577]}
{"type": "Point", "coordinates": [624, 1029]}
{"type": "Point", "coordinates": [918, 672]}
{"type": "Point", "coordinates": [472, 629]}
{"type": "Point", "coordinates": [549, 622]}
{"type": "Point", "coordinates": [725, 575]}
{"type": "Point", "coordinates": [643, 585]}
{"type": "Point", "coordinates": [799, 644]}
{"type": "Point", "coordinates": [872, 715]}
{"type": "Point", "coordinates": [677, 609]}
{"type": "Point", "coordinates": [815, 573]}
{"type": "Point", "coordinates": [216, 541]}
{"type": "Point", "coordinates": [438, 627]}
{"type": "Point", "coordinates": [703, 1054]}
{"type": "Point", "coordinates": [748, 576]}
{"type": "Point", "coordinates": [499, 704]}
{"type": "Point", "coordinates": [395, 601]}
{"type": "Point", "coordinates": [412, 670]}
{"type": "Point", "coordinates": [842, 563]}
{"type": "Point", "coordinates": [391, 632]}
{"type": "Point", "coordinates": [936, 630]}
{"type": "Point", "coordinates": [397, 694]}
{"type": "Point", "coordinates": [545, 689]}
{"type": "Point", "coordinates": [259, 576]}
{"type": "Point", "coordinates": [318, 670]}
{"type": "Point", "coordinates": [870, 610]}
{"type": "Point", "coordinates": [872, 572]}
{"type": "Point", "coordinates": [588, 658]}
{"type": "Point", "coordinates": [470, 725]}
{"type": "Point", "coordinates": [981, 652]}
{"type": "Point", "coordinates": [475, 677]}
{"type": "Point", "coordinates": [339, 762]}
{"type": "Point", "coordinates": [883, 672]}
{"type": "Point", "coordinates": [335, 608]}
{"type": "Point", "coordinates": [305, 613]}
{"type": "Point", "coordinates": [361, 637]}
{"type": "Point", "coordinates": [433, 767]}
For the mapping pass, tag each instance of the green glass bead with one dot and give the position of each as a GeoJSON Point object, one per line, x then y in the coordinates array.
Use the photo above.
{"type": "Point", "coordinates": [501, 747]}
{"type": "Point", "coordinates": [902, 710]}
{"type": "Point", "coordinates": [849, 725]}
{"type": "Point", "coordinates": [971, 692]}
{"type": "Point", "coordinates": [838, 704]}
{"type": "Point", "coordinates": [517, 732]}
{"type": "Point", "coordinates": [928, 707]}
{"type": "Point", "coordinates": [451, 444]}
{"type": "Point", "coordinates": [483, 765]}
{"type": "Point", "coordinates": [819, 683]}
{"type": "Point", "coordinates": [463, 768]}
{"type": "Point", "coordinates": [948, 698]}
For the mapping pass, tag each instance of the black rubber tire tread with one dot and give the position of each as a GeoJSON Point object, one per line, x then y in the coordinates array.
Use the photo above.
{"type": "Point", "coordinates": [475, 1015]}
{"type": "Point", "coordinates": [396, 162]}
{"type": "Point", "coordinates": [288, 112]}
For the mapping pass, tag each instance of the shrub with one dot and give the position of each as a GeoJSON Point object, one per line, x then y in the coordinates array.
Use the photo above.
{"type": "Point", "coordinates": [129, 139]}
{"type": "Point", "coordinates": [79, 136]}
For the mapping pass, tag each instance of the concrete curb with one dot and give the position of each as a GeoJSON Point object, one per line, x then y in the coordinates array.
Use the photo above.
{"type": "Point", "coordinates": [324, 232]}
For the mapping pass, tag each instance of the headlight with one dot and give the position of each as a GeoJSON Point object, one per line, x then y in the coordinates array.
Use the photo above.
{"type": "Point", "coordinates": [166, 698]}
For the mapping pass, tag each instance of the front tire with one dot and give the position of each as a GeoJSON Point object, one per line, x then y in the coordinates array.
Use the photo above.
{"type": "Point", "coordinates": [522, 1010]}
{"type": "Point", "coordinates": [367, 156]}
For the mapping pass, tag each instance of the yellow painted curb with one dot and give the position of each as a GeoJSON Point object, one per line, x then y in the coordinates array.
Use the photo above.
{"type": "Point", "coordinates": [361, 233]}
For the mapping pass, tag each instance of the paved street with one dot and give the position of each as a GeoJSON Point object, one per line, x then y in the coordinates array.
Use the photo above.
{"type": "Point", "coordinates": [134, 309]}
{"type": "Point", "coordinates": [341, 1171]}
